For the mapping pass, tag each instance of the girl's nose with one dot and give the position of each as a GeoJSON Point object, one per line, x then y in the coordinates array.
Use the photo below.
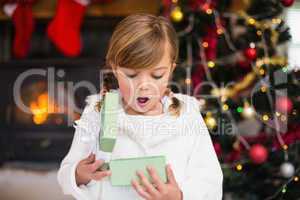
{"type": "Point", "coordinates": [144, 86]}
{"type": "Point", "coordinates": [144, 83]}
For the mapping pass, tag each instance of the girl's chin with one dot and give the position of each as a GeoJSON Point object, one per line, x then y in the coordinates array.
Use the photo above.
{"type": "Point", "coordinates": [135, 109]}
{"type": "Point", "coordinates": [147, 110]}
{"type": "Point", "coordinates": [141, 109]}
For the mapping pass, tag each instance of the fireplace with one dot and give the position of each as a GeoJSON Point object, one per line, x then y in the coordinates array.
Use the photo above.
{"type": "Point", "coordinates": [37, 124]}
{"type": "Point", "coordinates": [43, 94]}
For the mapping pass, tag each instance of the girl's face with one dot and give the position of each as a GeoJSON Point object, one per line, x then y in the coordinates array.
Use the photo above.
{"type": "Point", "coordinates": [142, 89]}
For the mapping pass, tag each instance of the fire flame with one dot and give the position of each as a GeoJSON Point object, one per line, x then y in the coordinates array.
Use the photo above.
{"type": "Point", "coordinates": [40, 108]}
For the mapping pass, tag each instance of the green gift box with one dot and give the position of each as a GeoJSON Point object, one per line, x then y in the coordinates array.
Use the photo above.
{"type": "Point", "coordinates": [109, 122]}
{"type": "Point", "coordinates": [124, 170]}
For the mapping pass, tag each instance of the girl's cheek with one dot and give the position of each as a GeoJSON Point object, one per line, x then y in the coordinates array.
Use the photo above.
{"type": "Point", "coordinates": [127, 93]}
{"type": "Point", "coordinates": [125, 84]}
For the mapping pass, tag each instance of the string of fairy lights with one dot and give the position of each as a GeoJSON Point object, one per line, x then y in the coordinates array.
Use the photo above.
{"type": "Point", "coordinates": [259, 72]}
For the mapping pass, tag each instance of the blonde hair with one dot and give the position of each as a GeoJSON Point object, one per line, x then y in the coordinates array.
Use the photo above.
{"type": "Point", "coordinates": [138, 42]}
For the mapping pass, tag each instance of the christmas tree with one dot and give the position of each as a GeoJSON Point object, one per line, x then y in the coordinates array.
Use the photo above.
{"type": "Point", "coordinates": [233, 58]}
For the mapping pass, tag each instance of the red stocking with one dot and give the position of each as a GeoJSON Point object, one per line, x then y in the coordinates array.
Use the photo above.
{"type": "Point", "coordinates": [23, 21]}
{"type": "Point", "coordinates": [64, 30]}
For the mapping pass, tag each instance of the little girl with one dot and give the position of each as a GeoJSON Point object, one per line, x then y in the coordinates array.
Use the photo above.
{"type": "Point", "coordinates": [151, 121]}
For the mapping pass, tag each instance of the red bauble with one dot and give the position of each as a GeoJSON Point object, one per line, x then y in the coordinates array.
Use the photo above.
{"type": "Point", "coordinates": [258, 154]}
{"type": "Point", "coordinates": [233, 156]}
{"type": "Point", "coordinates": [218, 148]}
{"type": "Point", "coordinates": [244, 64]}
{"type": "Point", "coordinates": [205, 6]}
{"type": "Point", "coordinates": [287, 3]}
{"type": "Point", "coordinates": [250, 53]}
{"type": "Point", "coordinates": [284, 105]}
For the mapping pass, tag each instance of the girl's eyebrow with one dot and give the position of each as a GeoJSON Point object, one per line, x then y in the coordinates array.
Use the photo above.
{"type": "Point", "coordinates": [162, 67]}
{"type": "Point", "coordinates": [154, 69]}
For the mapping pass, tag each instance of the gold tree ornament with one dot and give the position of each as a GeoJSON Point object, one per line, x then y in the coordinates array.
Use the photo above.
{"type": "Point", "coordinates": [210, 121]}
{"type": "Point", "coordinates": [248, 79]}
{"type": "Point", "coordinates": [177, 14]}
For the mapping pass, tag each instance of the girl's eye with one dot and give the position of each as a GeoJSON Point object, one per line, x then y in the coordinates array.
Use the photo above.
{"type": "Point", "coordinates": [157, 77]}
{"type": "Point", "coordinates": [131, 75]}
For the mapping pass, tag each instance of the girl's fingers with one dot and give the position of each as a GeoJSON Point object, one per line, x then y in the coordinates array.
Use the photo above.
{"type": "Point", "coordinates": [90, 158]}
{"type": "Point", "coordinates": [97, 176]}
{"type": "Point", "coordinates": [148, 186]}
{"type": "Point", "coordinates": [155, 178]}
{"type": "Point", "coordinates": [95, 165]}
{"type": "Point", "coordinates": [170, 175]}
{"type": "Point", "coordinates": [103, 91]}
{"type": "Point", "coordinates": [140, 190]}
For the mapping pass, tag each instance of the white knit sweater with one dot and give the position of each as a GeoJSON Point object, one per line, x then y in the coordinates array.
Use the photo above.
{"type": "Point", "coordinates": [184, 140]}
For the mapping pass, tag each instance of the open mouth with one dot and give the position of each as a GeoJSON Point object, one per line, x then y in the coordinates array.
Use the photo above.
{"type": "Point", "coordinates": [142, 100]}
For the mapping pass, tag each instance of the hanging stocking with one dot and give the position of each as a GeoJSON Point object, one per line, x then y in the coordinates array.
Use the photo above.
{"type": "Point", "coordinates": [21, 14]}
{"type": "Point", "coordinates": [64, 29]}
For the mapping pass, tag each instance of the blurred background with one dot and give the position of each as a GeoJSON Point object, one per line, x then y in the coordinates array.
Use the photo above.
{"type": "Point", "coordinates": [239, 58]}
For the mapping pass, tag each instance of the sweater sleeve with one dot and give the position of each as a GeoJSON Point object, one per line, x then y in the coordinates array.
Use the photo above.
{"type": "Point", "coordinates": [84, 142]}
{"type": "Point", "coordinates": [204, 178]}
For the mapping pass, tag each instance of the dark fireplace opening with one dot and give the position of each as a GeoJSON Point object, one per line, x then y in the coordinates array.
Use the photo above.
{"type": "Point", "coordinates": [37, 124]}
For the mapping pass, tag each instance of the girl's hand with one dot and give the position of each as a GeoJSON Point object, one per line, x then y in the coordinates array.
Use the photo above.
{"type": "Point", "coordinates": [103, 91]}
{"type": "Point", "coordinates": [86, 170]}
{"type": "Point", "coordinates": [161, 191]}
